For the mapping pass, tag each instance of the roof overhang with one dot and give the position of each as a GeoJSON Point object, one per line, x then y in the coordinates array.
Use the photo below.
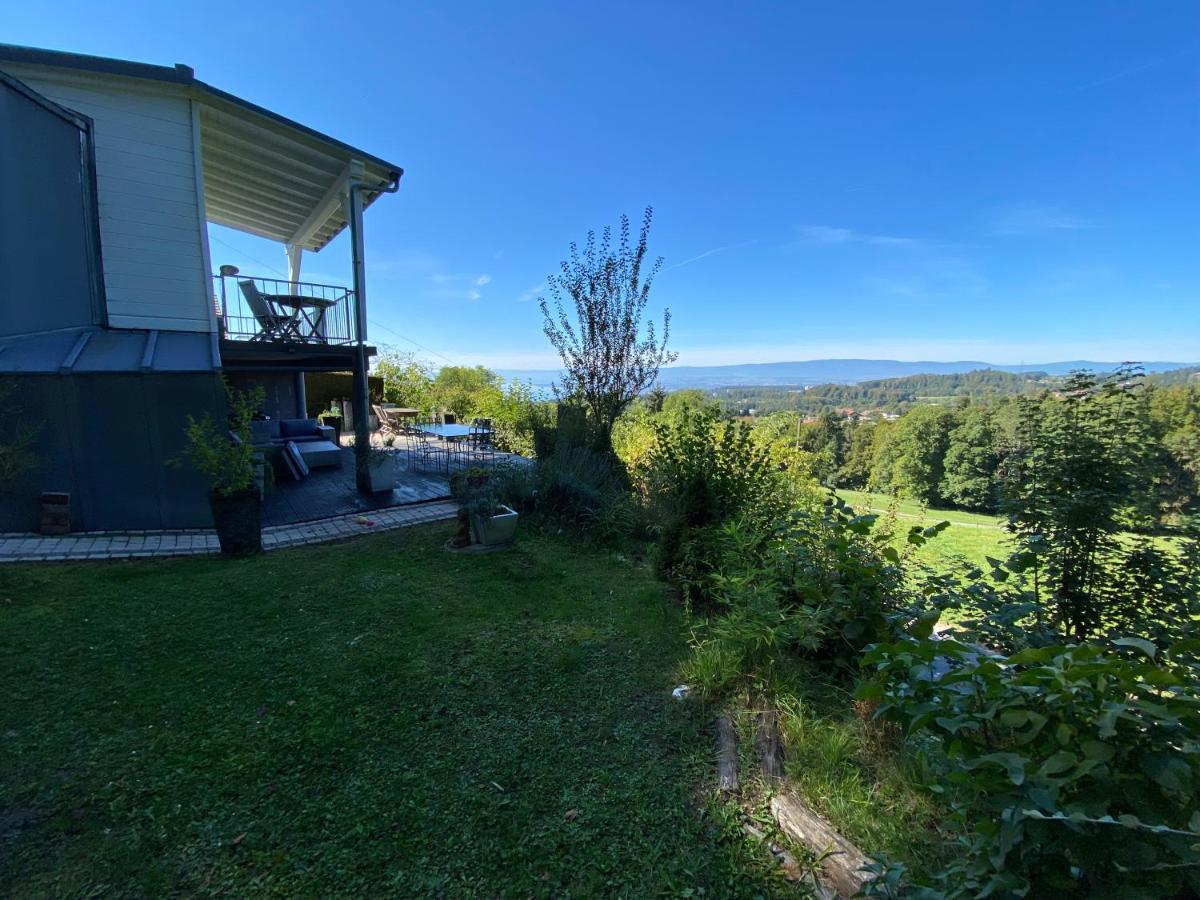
{"type": "Point", "coordinates": [263, 173]}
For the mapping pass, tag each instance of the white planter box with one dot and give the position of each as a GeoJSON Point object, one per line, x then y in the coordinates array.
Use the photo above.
{"type": "Point", "coordinates": [382, 475]}
{"type": "Point", "coordinates": [493, 530]}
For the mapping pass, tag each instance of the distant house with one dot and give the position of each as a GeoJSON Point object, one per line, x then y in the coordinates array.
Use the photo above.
{"type": "Point", "coordinates": [114, 323]}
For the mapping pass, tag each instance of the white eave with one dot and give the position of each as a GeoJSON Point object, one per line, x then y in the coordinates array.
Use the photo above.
{"type": "Point", "coordinates": [263, 173]}
{"type": "Point", "coordinates": [266, 176]}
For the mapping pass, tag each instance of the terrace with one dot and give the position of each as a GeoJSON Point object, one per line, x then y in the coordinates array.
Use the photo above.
{"type": "Point", "coordinates": [275, 310]}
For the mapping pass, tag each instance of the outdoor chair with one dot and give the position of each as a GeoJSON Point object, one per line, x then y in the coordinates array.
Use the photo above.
{"type": "Point", "coordinates": [386, 426]}
{"type": "Point", "coordinates": [429, 449]}
{"type": "Point", "coordinates": [272, 325]}
{"type": "Point", "coordinates": [479, 442]}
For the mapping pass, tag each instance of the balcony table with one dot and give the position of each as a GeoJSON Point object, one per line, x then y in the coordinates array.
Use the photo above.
{"type": "Point", "coordinates": [300, 307]}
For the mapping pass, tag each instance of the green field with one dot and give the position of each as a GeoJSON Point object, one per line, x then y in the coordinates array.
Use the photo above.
{"type": "Point", "coordinates": [970, 537]}
{"type": "Point", "coordinates": [377, 717]}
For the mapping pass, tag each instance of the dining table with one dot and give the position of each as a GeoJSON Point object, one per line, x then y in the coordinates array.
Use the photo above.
{"type": "Point", "coordinates": [452, 432]}
{"type": "Point", "coordinates": [307, 313]}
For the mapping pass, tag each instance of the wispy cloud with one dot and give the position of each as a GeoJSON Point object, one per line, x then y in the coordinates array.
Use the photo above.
{"type": "Point", "coordinates": [830, 235]}
{"type": "Point", "coordinates": [1122, 74]}
{"type": "Point", "coordinates": [1026, 221]}
{"type": "Point", "coordinates": [939, 278]}
{"type": "Point", "coordinates": [457, 285]}
{"type": "Point", "coordinates": [532, 293]}
{"type": "Point", "coordinates": [708, 253]}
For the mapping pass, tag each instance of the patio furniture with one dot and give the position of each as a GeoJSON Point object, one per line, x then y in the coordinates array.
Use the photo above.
{"type": "Point", "coordinates": [384, 419]}
{"type": "Point", "coordinates": [272, 324]}
{"type": "Point", "coordinates": [320, 454]}
{"type": "Point", "coordinates": [445, 432]}
{"type": "Point", "coordinates": [479, 442]}
{"type": "Point", "coordinates": [429, 450]}
{"type": "Point", "coordinates": [313, 440]}
{"type": "Point", "coordinates": [304, 325]}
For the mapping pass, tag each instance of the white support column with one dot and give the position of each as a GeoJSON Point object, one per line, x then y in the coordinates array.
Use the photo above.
{"type": "Point", "coordinates": [362, 403]}
{"type": "Point", "coordinates": [295, 256]}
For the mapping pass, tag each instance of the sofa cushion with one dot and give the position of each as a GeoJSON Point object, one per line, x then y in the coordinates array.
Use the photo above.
{"type": "Point", "coordinates": [320, 453]}
{"type": "Point", "coordinates": [260, 433]}
{"type": "Point", "coordinates": [294, 428]}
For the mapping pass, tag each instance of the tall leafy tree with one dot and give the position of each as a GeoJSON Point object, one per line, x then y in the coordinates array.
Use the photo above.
{"type": "Point", "coordinates": [860, 451]}
{"type": "Point", "coordinates": [919, 448]}
{"type": "Point", "coordinates": [1072, 487]}
{"type": "Point", "coordinates": [972, 457]}
{"type": "Point", "coordinates": [597, 322]}
{"type": "Point", "coordinates": [407, 380]}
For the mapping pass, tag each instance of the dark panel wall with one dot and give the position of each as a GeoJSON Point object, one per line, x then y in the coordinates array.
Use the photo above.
{"type": "Point", "coordinates": [106, 440]}
{"type": "Point", "coordinates": [48, 256]}
{"type": "Point", "coordinates": [279, 390]}
{"type": "Point", "coordinates": [322, 388]}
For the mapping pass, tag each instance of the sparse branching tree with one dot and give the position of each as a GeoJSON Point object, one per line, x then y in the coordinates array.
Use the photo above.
{"type": "Point", "coordinates": [596, 322]}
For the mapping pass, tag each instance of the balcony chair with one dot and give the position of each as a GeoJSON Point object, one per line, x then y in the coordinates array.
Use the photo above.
{"type": "Point", "coordinates": [272, 325]}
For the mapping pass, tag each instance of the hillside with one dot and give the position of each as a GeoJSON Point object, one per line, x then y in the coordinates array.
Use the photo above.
{"type": "Point", "coordinates": [807, 373]}
{"type": "Point", "coordinates": [891, 395]}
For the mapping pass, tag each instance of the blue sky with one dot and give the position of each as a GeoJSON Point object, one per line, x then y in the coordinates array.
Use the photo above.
{"type": "Point", "coordinates": [1008, 182]}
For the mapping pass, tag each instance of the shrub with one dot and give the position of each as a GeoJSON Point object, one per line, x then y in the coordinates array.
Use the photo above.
{"type": "Point", "coordinates": [701, 473]}
{"type": "Point", "coordinates": [583, 490]}
{"type": "Point", "coordinates": [815, 584]}
{"type": "Point", "coordinates": [225, 456]}
{"type": "Point", "coordinates": [1074, 769]}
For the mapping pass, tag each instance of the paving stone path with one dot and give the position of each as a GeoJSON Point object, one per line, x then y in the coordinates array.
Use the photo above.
{"type": "Point", "coordinates": [199, 542]}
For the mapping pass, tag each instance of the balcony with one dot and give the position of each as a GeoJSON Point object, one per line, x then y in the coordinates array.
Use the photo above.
{"type": "Point", "coordinates": [278, 312]}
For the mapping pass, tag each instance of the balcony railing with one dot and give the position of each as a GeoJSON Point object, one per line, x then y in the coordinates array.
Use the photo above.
{"type": "Point", "coordinates": [275, 310]}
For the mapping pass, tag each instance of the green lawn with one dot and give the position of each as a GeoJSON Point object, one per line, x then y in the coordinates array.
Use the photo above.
{"type": "Point", "coordinates": [971, 536]}
{"type": "Point", "coordinates": [373, 717]}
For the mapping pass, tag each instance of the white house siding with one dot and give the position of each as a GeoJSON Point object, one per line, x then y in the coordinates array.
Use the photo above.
{"type": "Point", "coordinates": [151, 235]}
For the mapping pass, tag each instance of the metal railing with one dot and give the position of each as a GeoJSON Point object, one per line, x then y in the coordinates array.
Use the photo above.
{"type": "Point", "coordinates": [275, 310]}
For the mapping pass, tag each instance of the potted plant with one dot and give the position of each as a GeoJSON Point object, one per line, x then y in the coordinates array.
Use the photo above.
{"type": "Point", "coordinates": [227, 458]}
{"type": "Point", "coordinates": [492, 523]}
{"type": "Point", "coordinates": [333, 418]}
{"type": "Point", "coordinates": [378, 468]}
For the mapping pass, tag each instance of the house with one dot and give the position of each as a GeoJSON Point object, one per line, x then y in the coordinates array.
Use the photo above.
{"type": "Point", "coordinates": [114, 324]}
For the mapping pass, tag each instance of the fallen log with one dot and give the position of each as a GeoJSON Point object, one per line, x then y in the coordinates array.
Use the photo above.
{"type": "Point", "coordinates": [727, 779]}
{"type": "Point", "coordinates": [769, 745]}
{"type": "Point", "coordinates": [840, 861]}
{"type": "Point", "coordinates": [792, 870]}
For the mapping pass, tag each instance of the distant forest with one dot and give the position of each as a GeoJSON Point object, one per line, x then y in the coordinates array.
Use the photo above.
{"type": "Point", "coordinates": [973, 452]}
{"type": "Point", "coordinates": [898, 395]}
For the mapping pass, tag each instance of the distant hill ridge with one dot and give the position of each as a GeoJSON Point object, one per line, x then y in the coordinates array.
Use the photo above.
{"type": "Point", "coordinates": [839, 371]}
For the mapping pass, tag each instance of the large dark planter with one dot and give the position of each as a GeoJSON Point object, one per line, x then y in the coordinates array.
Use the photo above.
{"type": "Point", "coordinates": [238, 520]}
{"type": "Point", "coordinates": [334, 422]}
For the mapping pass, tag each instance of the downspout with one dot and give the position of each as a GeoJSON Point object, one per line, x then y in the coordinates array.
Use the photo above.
{"type": "Point", "coordinates": [361, 399]}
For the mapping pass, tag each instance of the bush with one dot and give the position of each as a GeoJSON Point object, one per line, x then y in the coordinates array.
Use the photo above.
{"type": "Point", "coordinates": [1074, 769]}
{"type": "Point", "coordinates": [702, 473]}
{"type": "Point", "coordinates": [815, 584]}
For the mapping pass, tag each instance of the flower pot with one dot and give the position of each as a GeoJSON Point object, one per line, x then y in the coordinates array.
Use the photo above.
{"type": "Point", "coordinates": [334, 422]}
{"type": "Point", "coordinates": [238, 521]}
{"type": "Point", "coordinates": [493, 530]}
{"type": "Point", "coordinates": [381, 475]}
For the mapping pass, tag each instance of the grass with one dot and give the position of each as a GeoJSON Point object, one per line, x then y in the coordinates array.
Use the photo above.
{"type": "Point", "coordinates": [971, 536]}
{"type": "Point", "coordinates": [377, 717]}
